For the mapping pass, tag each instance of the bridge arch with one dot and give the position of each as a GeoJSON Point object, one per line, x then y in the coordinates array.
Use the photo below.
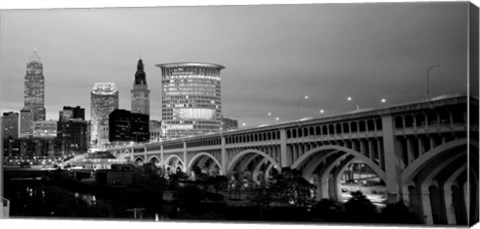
{"type": "Point", "coordinates": [154, 160]}
{"type": "Point", "coordinates": [177, 163]}
{"type": "Point", "coordinates": [424, 160]}
{"type": "Point", "coordinates": [302, 160]}
{"type": "Point", "coordinates": [197, 157]}
{"type": "Point", "coordinates": [138, 161]}
{"type": "Point", "coordinates": [237, 158]}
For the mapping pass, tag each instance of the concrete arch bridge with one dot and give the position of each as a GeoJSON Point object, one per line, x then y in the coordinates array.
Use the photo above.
{"type": "Point", "coordinates": [426, 153]}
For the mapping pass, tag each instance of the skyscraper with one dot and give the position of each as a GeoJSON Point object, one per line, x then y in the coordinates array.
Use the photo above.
{"type": "Point", "coordinates": [140, 92]}
{"type": "Point", "coordinates": [10, 125]}
{"type": "Point", "coordinates": [104, 99]}
{"type": "Point", "coordinates": [191, 102]}
{"type": "Point", "coordinates": [34, 93]}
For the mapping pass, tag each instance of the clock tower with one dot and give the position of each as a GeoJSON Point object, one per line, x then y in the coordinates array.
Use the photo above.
{"type": "Point", "coordinates": [140, 92]}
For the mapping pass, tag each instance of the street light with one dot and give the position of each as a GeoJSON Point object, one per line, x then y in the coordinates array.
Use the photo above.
{"type": "Point", "coordinates": [298, 104]}
{"type": "Point", "coordinates": [428, 79]}
{"type": "Point", "coordinates": [383, 100]}
{"type": "Point", "coordinates": [276, 118]}
{"type": "Point", "coordinates": [322, 111]}
{"type": "Point", "coordinates": [350, 99]}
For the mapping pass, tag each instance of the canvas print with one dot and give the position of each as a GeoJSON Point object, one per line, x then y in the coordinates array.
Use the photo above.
{"type": "Point", "coordinates": [355, 113]}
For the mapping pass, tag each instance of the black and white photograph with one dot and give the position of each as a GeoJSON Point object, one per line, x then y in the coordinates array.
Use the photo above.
{"type": "Point", "coordinates": [311, 113]}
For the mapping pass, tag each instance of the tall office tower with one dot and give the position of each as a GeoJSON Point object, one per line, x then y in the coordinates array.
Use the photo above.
{"type": "Point", "coordinates": [10, 125]}
{"type": "Point", "coordinates": [104, 99]}
{"type": "Point", "coordinates": [34, 93]}
{"type": "Point", "coordinates": [73, 130]}
{"type": "Point", "coordinates": [26, 123]}
{"type": "Point", "coordinates": [191, 102]}
{"type": "Point", "coordinates": [140, 92]}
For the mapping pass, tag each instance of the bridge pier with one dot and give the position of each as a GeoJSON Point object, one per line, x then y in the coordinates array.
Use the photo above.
{"type": "Point", "coordinates": [391, 153]}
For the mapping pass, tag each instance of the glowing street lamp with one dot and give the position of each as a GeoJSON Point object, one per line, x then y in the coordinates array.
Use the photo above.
{"type": "Point", "coordinates": [298, 104]}
{"type": "Point", "coordinates": [322, 111]}
{"type": "Point", "coordinates": [350, 99]}
{"type": "Point", "coordinates": [383, 100]}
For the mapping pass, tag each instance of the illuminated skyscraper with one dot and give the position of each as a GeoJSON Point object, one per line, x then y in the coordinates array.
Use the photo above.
{"type": "Point", "coordinates": [104, 99]}
{"type": "Point", "coordinates": [191, 102]}
{"type": "Point", "coordinates": [34, 93]}
{"type": "Point", "coordinates": [140, 92]}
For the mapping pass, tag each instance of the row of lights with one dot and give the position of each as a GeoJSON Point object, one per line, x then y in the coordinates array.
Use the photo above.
{"type": "Point", "coordinates": [321, 111]}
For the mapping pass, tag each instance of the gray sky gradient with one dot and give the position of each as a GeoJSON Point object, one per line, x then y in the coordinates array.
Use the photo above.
{"type": "Point", "coordinates": [272, 54]}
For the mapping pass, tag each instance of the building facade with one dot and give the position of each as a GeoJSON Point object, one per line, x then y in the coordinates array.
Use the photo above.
{"type": "Point", "coordinates": [10, 125]}
{"type": "Point", "coordinates": [120, 126]}
{"type": "Point", "coordinates": [72, 130]}
{"type": "Point", "coordinates": [229, 124]}
{"type": "Point", "coordinates": [140, 92]}
{"type": "Point", "coordinates": [45, 129]}
{"type": "Point", "coordinates": [104, 99]}
{"type": "Point", "coordinates": [125, 126]}
{"type": "Point", "coordinates": [72, 113]}
{"type": "Point", "coordinates": [26, 123]}
{"type": "Point", "coordinates": [155, 129]}
{"type": "Point", "coordinates": [191, 99]}
{"type": "Point", "coordinates": [34, 92]}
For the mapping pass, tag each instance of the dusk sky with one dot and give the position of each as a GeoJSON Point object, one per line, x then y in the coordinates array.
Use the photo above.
{"type": "Point", "coordinates": [273, 54]}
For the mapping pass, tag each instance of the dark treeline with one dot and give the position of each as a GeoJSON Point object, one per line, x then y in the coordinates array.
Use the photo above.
{"type": "Point", "coordinates": [285, 197]}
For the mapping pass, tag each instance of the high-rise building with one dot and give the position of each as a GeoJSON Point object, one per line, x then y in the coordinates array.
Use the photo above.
{"type": "Point", "coordinates": [72, 130]}
{"type": "Point", "coordinates": [120, 126]}
{"type": "Point", "coordinates": [125, 126]}
{"type": "Point", "coordinates": [26, 123]}
{"type": "Point", "coordinates": [10, 125]}
{"type": "Point", "coordinates": [140, 92]}
{"type": "Point", "coordinates": [140, 127]}
{"type": "Point", "coordinates": [45, 129]}
{"type": "Point", "coordinates": [34, 93]}
{"type": "Point", "coordinates": [104, 99]}
{"type": "Point", "coordinates": [191, 99]}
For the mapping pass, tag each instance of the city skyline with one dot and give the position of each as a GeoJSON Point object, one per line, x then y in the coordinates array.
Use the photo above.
{"type": "Point", "coordinates": [273, 57]}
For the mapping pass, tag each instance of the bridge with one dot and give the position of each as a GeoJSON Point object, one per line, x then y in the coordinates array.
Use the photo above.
{"type": "Point", "coordinates": [426, 153]}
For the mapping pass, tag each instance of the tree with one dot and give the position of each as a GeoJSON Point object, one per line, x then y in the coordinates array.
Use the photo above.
{"type": "Point", "coordinates": [289, 188]}
{"type": "Point", "coordinates": [398, 213]}
{"type": "Point", "coordinates": [326, 210]}
{"type": "Point", "coordinates": [360, 209]}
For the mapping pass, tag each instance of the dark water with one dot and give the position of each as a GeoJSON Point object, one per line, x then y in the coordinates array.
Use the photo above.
{"type": "Point", "coordinates": [40, 199]}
